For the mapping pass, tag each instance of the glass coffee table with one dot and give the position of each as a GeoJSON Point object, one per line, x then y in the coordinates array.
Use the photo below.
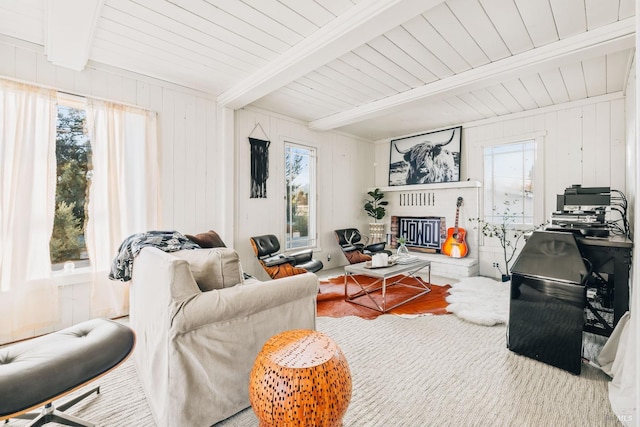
{"type": "Point", "coordinates": [382, 274]}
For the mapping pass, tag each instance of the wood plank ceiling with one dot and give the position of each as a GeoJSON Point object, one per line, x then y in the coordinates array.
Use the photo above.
{"type": "Point", "coordinates": [373, 68]}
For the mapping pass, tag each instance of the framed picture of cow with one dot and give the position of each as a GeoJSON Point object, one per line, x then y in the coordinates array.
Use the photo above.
{"type": "Point", "coordinates": [426, 158]}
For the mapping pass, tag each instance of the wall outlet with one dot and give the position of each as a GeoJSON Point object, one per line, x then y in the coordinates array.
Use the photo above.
{"type": "Point", "coordinates": [328, 257]}
{"type": "Point", "coordinates": [495, 264]}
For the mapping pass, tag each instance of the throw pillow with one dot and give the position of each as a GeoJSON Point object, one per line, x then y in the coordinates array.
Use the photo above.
{"type": "Point", "coordinates": [215, 268]}
{"type": "Point", "coordinates": [210, 239]}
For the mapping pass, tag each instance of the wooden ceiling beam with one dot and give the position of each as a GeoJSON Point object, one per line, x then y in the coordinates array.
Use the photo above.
{"type": "Point", "coordinates": [363, 22]}
{"type": "Point", "coordinates": [69, 29]}
{"type": "Point", "coordinates": [606, 39]}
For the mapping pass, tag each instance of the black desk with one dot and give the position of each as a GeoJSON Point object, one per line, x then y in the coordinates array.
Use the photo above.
{"type": "Point", "coordinates": [611, 259]}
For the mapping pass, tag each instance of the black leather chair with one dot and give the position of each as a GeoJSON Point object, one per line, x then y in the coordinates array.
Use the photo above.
{"type": "Point", "coordinates": [267, 250]}
{"type": "Point", "coordinates": [355, 251]}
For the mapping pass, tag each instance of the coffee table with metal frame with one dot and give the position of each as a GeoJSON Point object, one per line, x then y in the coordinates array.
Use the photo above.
{"type": "Point", "coordinates": [382, 274]}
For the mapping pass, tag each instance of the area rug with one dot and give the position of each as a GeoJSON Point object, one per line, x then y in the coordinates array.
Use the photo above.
{"type": "Point", "coordinates": [480, 300]}
{"type": "Point", "coordinates": [430, 371]}
{"type": "Point", "coordinates": [331, 301]}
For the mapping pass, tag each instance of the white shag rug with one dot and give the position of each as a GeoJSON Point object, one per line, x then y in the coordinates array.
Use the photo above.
{"type": "Point", "coordinates": [480, 300]}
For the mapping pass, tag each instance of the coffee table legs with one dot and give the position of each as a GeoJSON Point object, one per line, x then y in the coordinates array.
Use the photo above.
{"type": "Point", "coordinates": [367, 290]}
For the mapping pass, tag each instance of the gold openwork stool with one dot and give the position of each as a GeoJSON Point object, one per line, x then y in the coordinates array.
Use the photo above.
{"type": "Point", "coordinates": [300, 378]}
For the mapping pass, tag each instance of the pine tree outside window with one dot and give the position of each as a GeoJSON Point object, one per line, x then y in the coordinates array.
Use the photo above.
{"type": "Point", "coordinates": [73, 170]}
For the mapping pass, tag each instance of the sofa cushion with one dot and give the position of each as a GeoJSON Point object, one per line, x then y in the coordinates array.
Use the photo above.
{"type": "Point", "coordinates": [214, 268]}
{"type": "Point", "coordinates": [210, 239]}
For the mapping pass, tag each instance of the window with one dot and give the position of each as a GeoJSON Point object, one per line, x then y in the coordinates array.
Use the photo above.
{"type": "Point", "coordinates": [121, 163]}
{"type": "Point", "coordinates": [300, 173]}
{"type": "Point", "coordinates": [509, 182]}
{"type": "Point", "coordinates": [73, 177]}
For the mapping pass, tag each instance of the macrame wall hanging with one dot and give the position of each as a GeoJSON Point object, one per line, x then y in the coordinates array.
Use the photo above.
{"type": "Point", "coordinates": [259, 164]}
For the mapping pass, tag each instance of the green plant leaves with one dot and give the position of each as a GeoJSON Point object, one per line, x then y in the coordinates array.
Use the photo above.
{"type": "Point", "coordinates": [375, 206]}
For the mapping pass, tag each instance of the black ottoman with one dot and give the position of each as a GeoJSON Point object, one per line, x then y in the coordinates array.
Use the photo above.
{"type": "Point", "coordinates": [35, 372]}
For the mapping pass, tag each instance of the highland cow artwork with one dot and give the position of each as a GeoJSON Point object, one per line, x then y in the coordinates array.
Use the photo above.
{"type": "Point", "coordinates": [426, 158]}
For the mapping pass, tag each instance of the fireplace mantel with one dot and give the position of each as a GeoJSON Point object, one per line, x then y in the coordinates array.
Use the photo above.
{"type": "Point", "coordinates": [428, 187]}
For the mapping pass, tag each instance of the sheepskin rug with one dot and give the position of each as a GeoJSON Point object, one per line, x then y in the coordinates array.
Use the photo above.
{"type": "Point", "coordinates": [480, 300]}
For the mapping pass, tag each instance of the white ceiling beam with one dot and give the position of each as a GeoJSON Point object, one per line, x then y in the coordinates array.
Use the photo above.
{"type": "Point", "coordinates": [363, 22]}
{"type": "Point", "coordinates": [617, 36]}
{"type": "Point", "coordinates": [69, 29]}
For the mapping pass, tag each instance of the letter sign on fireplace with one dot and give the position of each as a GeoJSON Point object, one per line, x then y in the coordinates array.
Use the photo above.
{"type": "Point", "coordinates": [422, 233]}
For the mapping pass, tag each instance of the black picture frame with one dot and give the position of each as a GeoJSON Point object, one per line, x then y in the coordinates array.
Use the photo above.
{"type": "Point", "coordinates": [427, 158]}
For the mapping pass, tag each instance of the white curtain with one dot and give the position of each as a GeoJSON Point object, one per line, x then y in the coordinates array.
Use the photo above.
{"type": "Point", "coordinates": [124, 196]}
{"type": "Point", "coordinates": [28, 294]}
{"type": "Point", "coordinates": [618, 359]}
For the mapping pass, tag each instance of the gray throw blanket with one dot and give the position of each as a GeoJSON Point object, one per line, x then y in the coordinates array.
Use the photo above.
{"type": "Point", "coordinates": [168, 241]}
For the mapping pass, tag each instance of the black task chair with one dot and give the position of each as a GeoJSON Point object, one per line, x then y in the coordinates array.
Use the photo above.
{"type": "Point", "coordinates": [278, 265]}
{"type": "Point", "coordinates": [349, 241]}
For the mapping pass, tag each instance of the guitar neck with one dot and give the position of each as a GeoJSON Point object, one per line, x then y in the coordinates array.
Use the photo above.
{"type": "Point", "coordinates": [457, 216]}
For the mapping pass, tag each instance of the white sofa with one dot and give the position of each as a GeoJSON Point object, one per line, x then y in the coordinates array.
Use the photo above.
{"type": "Point", "coordinates": [195, 349]}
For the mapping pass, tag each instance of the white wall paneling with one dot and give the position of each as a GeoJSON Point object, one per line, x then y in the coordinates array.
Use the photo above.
{"type": "Point", "coordinates": [187, 135]}
{"type": "Point", "coordinates": [345, 171]}
{"type": "Point", "coordinates": [630, 136]}
{"type": "Point", "coordinates": [583, 143]}
{"type": "Point", "coordinates": [201, 190]}
{"type": "Point", "coordinates": [187, 124]}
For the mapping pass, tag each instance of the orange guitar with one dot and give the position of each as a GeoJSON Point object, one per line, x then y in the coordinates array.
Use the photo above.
{"type": "Point", "coordinates": [455, 245]}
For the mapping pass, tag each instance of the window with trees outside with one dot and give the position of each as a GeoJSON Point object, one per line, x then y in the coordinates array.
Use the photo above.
{"type": "Point", "coordinates": [73, 170]}
{"type": "Point", "coordinates": [300, 179]}
{"type": "Point", "coordinates": [509, 182]}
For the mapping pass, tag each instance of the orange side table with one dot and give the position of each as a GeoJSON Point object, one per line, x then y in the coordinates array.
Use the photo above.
{"type": "Point", "coordinates": [300, 378]}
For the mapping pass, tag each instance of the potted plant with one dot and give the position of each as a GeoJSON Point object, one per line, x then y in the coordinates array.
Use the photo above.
{"type": "Point", "coordinates": [375, 208]}
{"type": "Point", "coordinates": [507, 234]}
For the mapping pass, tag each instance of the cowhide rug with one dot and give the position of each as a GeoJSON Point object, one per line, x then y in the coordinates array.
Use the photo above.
{"type": "Point", "coordinates": [331, 300]}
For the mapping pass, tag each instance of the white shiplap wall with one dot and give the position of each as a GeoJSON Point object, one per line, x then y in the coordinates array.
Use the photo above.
{"type": "Point", "coordinates": [345, 171]}
{"type": "Point", "coordinates": [187, 134]}
{"type": "Point", "coordinates": [631, 103]}
{"type": "Point", "coordinates": [584, 143]}
{"type": "Point", "coordinates": [187, 128]}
